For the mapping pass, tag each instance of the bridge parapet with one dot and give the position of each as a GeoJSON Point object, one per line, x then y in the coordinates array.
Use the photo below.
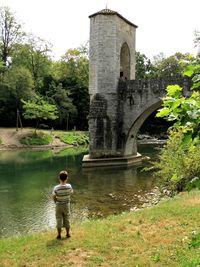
{"type": "Point", "coordinates": [137, 99]}
{"type": "Point", "coordinates": [152, 87]}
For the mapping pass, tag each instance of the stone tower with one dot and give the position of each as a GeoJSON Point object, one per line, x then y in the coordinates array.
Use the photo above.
{"type": "Point", "coordinates": [112, 57]}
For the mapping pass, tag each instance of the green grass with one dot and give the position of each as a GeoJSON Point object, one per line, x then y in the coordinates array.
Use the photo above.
{"type": "Point", "coordinates": [76, 138]}
{"type": "Point", "coordinates": [45, 137]}
{"type": "Point", "coordinates": [1, 142]}
{"type": "Point", "coordinates": [37, 138]}
{"type": "Point", "coordinates": [164, 235]}
{"type": "Point", "coordinates": [71, 151]}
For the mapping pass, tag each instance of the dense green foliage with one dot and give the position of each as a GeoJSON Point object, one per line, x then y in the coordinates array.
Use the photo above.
{"type": "Point", "coordinates": [170, 66]}
{"type": "Point", "coordinates": [38, 138]}
{"type": "Point", "coordinates": [178, 164]}
{"type": "Point", "coordinates": [39, 109]}
{"type": "Point", "coordinates": [184, 110]}
{"type": "Point", "coordinates": [28, 72]}
{"type": "Point", "coordinates": [179, 160]}
{"type": "Point", "coordinates": [72, 71]}
{"type": "Point", "coordinates": [144, 67]}
{"type": "Point", "coordinates": [15, 84]}
{"type": "Point", "coordinates": [161, 66]}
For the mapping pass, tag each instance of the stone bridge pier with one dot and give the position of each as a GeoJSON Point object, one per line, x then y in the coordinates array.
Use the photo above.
{"type": "Point", "coordinates": [118, 104]}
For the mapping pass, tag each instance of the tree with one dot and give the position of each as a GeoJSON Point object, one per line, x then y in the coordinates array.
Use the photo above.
{"type": "Point", "coordinates": [75, 64]}
{"type": "Point", "coordinates": [34, 55]}
{"type": "Point", "coordinates": [20, 81]}
{"type": "Point", "coordinates": [144, 66]}
{"type": "Point", "coordinates": [2, 67]}
{"type": "Point", "coordinates": [38, 109]}
{"type": "Point", "coordinates": [161, 66]}
{"type": "Point", "coordinates": [61, 98]}
{"type": "Point", "coordinates": [73, 72]}
{"type": "Point", "coordinates": [170, 66]}
{"type": "Point", "coordinates": [10, 33]}
{"type": "Point", "coordinates": [15, 84]}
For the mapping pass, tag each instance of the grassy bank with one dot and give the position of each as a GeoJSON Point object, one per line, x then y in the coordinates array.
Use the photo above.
{"type": "Point", "coordinates": [165, 235]}
{"type": "Point", "coordinates": [47, 137]}
{"type": "Point", "coordinates": [29, 137]}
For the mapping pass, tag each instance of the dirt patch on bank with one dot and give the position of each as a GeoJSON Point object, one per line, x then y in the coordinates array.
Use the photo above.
{"type": "Point", "coordinates": [10, 138]}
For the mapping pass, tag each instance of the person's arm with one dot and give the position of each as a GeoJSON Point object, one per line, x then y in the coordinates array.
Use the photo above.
{"type": "Point", "coordinates": [71, 190]}
{"type": "Point", "coordinates": [54, 196]}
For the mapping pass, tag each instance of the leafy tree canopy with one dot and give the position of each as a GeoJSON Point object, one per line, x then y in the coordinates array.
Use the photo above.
{"type": "Point", "coordinates": [10, 33]}
{"type": "Point", "coordinates": [73, 72]}
{"type": "Point", "coordinates": [39, 109]}
{"type": "Point", "coordinates": [74, 66]}
{"type": "Point", "coordinates": [34, 55]}
{"type": "Point", "coordinates": [60, 97]}
{"type": "Point", "coordinates": [170, 66]}
{"type": "Point", "coordinates": [144, 67]}
{"type": "Point", "coordinates": [15, 84]}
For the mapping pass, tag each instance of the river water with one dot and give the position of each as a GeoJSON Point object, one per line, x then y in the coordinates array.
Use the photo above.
{"type": "Point", "coordinates": [27, 179]}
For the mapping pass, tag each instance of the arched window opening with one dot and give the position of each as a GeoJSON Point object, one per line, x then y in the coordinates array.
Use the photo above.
{"type": "Point", "coordinates": [125, 62]}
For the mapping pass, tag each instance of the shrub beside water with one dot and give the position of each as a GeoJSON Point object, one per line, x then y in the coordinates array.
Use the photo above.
{"type": "Point", "coordinates": [178, 164]}
{"type": "Point", "coordinates": [38, 138]}
{"type": "Point", "coordinates": [75, 138]}
{"type": "Point", "coordinates": [41, 138]}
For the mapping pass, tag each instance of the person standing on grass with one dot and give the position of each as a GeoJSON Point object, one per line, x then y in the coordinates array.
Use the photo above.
{"type": "Point", "coordinates": [61, 196]}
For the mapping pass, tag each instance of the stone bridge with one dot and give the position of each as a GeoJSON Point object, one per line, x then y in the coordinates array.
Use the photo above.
{"type": "Point", "coordinates": [132, 104]}
{"type": "Point", "coordinates": [119, 104]}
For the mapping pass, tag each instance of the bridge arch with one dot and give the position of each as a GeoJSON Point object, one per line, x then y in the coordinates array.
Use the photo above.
{"type": "Point", "coordinates": [125, 61]}
{"type": "Point", "coordinates": [130, 147]}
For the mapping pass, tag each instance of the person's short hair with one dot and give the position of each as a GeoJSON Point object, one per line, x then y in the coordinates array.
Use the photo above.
{"type": "Point", "coordinates": [63, 175]}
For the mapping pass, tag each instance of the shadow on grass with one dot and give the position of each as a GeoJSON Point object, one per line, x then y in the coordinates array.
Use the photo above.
{"type": "Point", "coordinates": [55, 243]}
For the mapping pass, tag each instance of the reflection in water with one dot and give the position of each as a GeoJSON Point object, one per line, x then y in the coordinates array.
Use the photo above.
{"type": "Point", "coordinates": [27, 178]}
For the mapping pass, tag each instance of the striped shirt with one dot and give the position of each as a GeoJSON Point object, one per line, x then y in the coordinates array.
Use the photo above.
{"type": "Point", "coordinates": [62, 193]}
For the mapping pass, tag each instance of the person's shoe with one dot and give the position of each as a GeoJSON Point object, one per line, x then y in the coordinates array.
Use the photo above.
{"type": "Point", "coordinates": [58, 237]}
{"type": "Point", "coordinates": [68, 235]}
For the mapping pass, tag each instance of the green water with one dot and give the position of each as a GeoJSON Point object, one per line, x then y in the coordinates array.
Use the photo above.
{"type": "Point", "coordinates": [27, 179]}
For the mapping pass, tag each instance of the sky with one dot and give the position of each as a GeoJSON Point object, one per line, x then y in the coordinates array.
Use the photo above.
{"type": "Point", "coordinates": [165, 26]}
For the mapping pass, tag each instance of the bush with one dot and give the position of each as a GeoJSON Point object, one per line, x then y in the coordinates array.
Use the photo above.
{"type": "Point", "coordinates": [75, 138]}
{"type": "Point", "coordinates": [38, 138]}
{"type": "Point", "coordinates": [178, 163]}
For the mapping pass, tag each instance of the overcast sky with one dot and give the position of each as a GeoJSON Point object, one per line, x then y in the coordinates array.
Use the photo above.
{"type": "Point", "coordinates": [163, 25]}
